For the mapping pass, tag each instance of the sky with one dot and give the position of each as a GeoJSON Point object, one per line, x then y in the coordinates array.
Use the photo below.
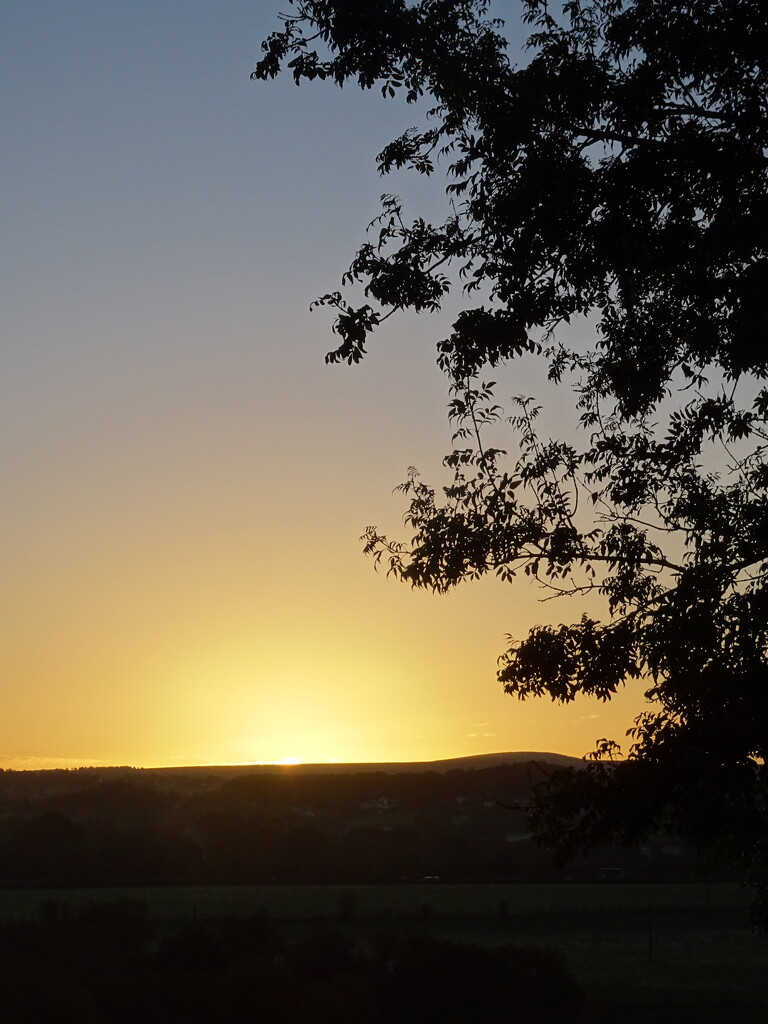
{"type": "Point", "coordinates": [185, 481]}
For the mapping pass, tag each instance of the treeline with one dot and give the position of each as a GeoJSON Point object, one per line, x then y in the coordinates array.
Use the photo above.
{"type": "Point", "coordinates": [109, 963]}
{"type": "Point", "coordinates": [135, 827]}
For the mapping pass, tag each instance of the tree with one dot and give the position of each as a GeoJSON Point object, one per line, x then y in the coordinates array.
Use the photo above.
{"type": "Point", "coordinates": [617, 178]}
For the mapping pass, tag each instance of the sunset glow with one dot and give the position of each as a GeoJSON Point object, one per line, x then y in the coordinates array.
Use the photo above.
{"type": "Point", "coordinates": [186, 481]}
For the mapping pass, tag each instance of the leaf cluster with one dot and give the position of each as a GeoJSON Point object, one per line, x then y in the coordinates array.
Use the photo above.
{"type": "Point", "coordinates": [618, 176]}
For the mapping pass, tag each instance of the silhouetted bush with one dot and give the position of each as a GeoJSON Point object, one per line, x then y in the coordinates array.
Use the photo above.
{"type": "Point", "coordinates": [36, 991]}
{"type": "Point", "coordinates": [104, 965]}
{"type": "Point", "coordinates": [432, 982]}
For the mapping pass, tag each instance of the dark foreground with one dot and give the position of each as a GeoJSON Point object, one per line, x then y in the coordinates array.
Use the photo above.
{"type": "Point", "coordinates": [374, 954]}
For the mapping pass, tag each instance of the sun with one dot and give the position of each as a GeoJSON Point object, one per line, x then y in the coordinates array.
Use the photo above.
{"type": "Point", "coordinates": [283, 760]}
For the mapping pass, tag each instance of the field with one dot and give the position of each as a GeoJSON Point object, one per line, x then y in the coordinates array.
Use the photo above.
{"type": "Point", "coordinates": [670, 951]}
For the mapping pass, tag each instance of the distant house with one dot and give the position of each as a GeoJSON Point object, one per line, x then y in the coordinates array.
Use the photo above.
{"type": "Point", "coordinates": [379, 804]}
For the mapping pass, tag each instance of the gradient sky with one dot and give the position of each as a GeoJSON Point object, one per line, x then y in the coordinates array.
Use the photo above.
{"type": "Point", "coordinates": [185, 481]}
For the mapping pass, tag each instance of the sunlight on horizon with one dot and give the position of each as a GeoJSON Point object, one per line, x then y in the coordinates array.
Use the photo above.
{"type": "Point", "coordinates": [246, 764]}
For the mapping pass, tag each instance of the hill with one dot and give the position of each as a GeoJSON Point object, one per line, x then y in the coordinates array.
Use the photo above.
{"type": "Point", "coordinates": [462, 819]}
{"type": "Point", "coordinates": [469, 762]}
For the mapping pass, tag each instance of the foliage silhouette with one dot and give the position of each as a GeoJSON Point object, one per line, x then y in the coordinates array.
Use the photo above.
{"type": "Point", "coordinates": [199, 972]}
{"type": "Point", "coordinates": [446, 982]}
{"type": "Point", "coordinates": [616, 178]}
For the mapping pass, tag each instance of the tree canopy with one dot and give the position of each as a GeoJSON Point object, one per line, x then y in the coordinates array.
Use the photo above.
{"type": "Point", "coordinates": [613, 176]}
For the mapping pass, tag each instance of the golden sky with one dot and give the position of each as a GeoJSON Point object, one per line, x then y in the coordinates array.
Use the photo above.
{"type": "Point", "coordinates": [185, 482]}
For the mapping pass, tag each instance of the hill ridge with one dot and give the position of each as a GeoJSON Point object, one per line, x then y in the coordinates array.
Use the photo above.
{"type": "Point", "coordinates": [468, 761]}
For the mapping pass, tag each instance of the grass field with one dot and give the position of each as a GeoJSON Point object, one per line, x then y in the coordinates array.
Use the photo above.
{"type": "Point", "coordinates": [668, 952]}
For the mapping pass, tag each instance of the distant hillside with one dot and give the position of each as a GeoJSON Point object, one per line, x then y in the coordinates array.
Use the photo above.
{"type": "Point", "coordinates": [461, 819]}
{"type": "Point", "coordinates": [36, 782]}
{"type": "Point", "coordinates": [490, 760]}
{"type": "Point", "coordinates": [472, 761]}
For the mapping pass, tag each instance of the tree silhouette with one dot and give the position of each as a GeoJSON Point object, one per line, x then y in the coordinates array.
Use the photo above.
{"type": "Point", "coordinates": [616, 177]}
